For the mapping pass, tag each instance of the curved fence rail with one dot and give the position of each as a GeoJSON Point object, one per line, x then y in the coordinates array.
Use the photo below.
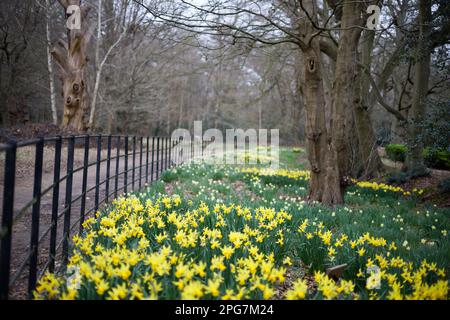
{"type": "Point", "coordinates": [50, 186]}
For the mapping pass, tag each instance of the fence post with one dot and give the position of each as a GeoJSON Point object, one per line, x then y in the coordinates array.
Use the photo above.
{"type": "Point", "coordinates": [97, 171]}
{"type": "Point", "coordinates": [116, 182]}
{"type": "Point", "coordinates": [108, 168]}
{"type": "Point", "coordinates": [177, 151]}
{"type": "Point", "coordinates": [87, 140]}
{"type": "Point", "coordinates": [35, 215]}
{"type": "Point", "coordinates": [153, 159]}
{"type": "Point", "coordinates": [55, 204]}
{"type": "Point", "coordinates": [157, 159]}
{"type": "Point", "coordinates": [134, 163]}
{"type": "Point", "coordinates": [125, 179]}
{"type": "Point", "coordinates": [7, 218]}
{"type": "Point", "coordinates": [170, 152]}
{"type": "Point", "coordinates": [146, 161]}
{"type": "Point", "coordinates": [68, 200]}
{"type": "Point", "coordinates": [165, 154]}
{"type": "Point", "coordinates": [140, 164]}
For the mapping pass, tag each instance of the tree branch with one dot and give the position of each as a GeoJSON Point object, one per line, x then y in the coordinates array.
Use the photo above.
{"type": "Point", "coordinates": [329, 48]}
{"type": "Point", "coordinates": [60, 58]}
{"type": "Point", "coordinates": [379, 97]}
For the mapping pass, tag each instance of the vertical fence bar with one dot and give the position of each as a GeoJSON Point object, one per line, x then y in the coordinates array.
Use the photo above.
{"type": "Point", "coordinates": [108, 169]}
{"type": "Point", "coordinates": [125, 178]}
{"type": "Point", "coordinates": [157, 158]}
{"type": "Point", "coordinates": [162, 158]}
{"type": "Point", "coordinates": [68, 200]}
{"type": "Point", "coordinates": [35, 215]}
{"type": "Point", "coordinates": [97, 171]}
{"type": "Point", "coordinates": [163, 155]}
{"type": "Point", "coordinates": [163, 150]}
{"type": "Point", "coordinates": [177, 151]}
{"type": "Point", "coordinates": [153, 160]}
{"type": "Point", "coordinates": [116, 182]}
{"type": "Point", "coordinates": [140, 165]}
{"type": "Point", "coordinates": [166, 160]}
{"type": "Point", "coordinates": [146, 160]}
{"type": "Point", "coordinates": [87, 140]}
{"type": "Point", "coordinates": [174, 153]}
{"type": "Point", "coordinates": [7, 218]}
{"type": "Point", "coordinates": [169, 147]}
{"type": "Point", "coordinates": [55, 204]}
{"type": "Point", "coordinates": [134, 164]}
{"type": "Point", "coordinates": [170, 152]}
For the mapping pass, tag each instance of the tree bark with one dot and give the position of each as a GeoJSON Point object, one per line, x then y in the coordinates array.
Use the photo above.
{"type": "Point", "coordinates": [324, 183]}
{"type": "Point", "coordinates": [50, 67]}
{"type": "Point", "coordinates": [414, 163]}
{"type": "Point", "coordinates": [71, 57]}
{"type": "Point", "coordinates": [371, 162]}
{"type": "Point", "coordinates": [346, 73]}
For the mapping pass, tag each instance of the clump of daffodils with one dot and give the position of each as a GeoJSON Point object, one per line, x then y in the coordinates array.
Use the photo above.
{"type": "Point", "coordinates": [386, 188]}
{"type": "Point", "coordinates": [302, 175]}
{"type": "Point", "coordinates": [170, 248]}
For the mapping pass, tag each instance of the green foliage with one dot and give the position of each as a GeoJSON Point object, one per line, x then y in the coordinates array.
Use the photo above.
{"type": "Point", "coordinates": [169, 176]}
{"type": "Point", "coordinates": [396, 152]}
{"type": "Point", "coordinates": [218, 175]}
{"type": "Point", "coordinates": [437, 159]}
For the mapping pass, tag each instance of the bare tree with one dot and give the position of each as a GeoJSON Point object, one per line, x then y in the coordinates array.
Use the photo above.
{"type": "Point", "coordinates": [70, 55]}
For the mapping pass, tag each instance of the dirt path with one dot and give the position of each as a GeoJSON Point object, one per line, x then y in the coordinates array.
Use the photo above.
{"type": "Point", "coordinates": [24, 191]}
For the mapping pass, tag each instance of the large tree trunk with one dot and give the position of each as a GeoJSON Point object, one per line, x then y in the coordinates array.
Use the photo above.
{"type": "Point", "coordinates": [71, 57]}
{"type": "Point", "coordinates": [414, 163]}
{"type": "Point", "coordinates": [324, 183]}
{"type": "Point", "coordinates": [343, 98]}
{"type": "Point", "coordinates": [371, 163]}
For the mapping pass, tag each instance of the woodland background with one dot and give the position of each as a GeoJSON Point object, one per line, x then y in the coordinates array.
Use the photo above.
{"type": "Point", "coordinates": [152, 66]}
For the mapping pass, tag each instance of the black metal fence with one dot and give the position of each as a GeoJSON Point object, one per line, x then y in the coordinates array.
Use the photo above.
{"type": "Point", "coordinates": [52, 213]}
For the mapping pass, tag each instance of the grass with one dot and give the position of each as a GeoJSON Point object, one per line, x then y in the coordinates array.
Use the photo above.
{"type": "Point", "coordinates": [224, 232]}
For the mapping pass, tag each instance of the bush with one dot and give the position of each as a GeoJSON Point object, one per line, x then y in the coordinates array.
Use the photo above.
{"type": "Point", "coordinates": [397, 177]}
{"type": "Point", "coordinates": [434, 158]}
{"type": "Point", "coordinates": [296, 150]}
{"type": "Point", "coordinates": [437, 159]}
{"type": "Point", "coordinates": [444, 185]}
{"type": "Point", "coordinates": [218, 175]}
{"type": "Point", "coordinates": [396, 152]}
{"type": "Point", "coordinates": [169, 176]}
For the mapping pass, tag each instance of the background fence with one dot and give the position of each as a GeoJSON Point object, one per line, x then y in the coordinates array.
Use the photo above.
{"type": "Point", "coordinates": [49, 187]}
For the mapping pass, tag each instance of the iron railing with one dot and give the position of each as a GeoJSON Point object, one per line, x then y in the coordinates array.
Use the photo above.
{"type": "Point", "coordinates": [116, 172]}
